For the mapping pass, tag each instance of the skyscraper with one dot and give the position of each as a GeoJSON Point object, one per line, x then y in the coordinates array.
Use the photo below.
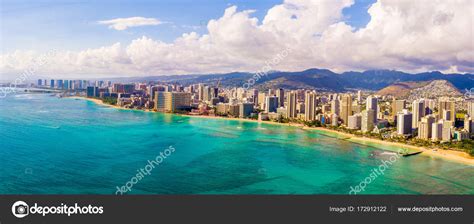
{"type": "Point", "coordinates": [245, 109]}
{"type": "Point", "coordinates": [447, 131]}
{"type": "Point", "coordinates": [437, 131]}
{"type": "Point", "coordinates": [201, 92]}
{"type": "Point", "coordinates": [429, 106]}
{"type": "Point", "coordinates": [367, 123]}
{"type": "Point", "coordinates": [444, 105]}
{"type": "Point", "coordinates": [207, 94]}
{"type": "Point", "coordinates": [262, 100]}
{"type": "Point", "coordinates": [470, 108]}
{"type": "Point", "coordinates": [397, 106]}
{"type": "Point", "coordinates": [425, 127]}
{"type": "Point", "coordinates": [51, 85]}
{"type": "Point", "coordinates": [335, 106]}
{"type": "Point", "coordinates": [310, 106]}
{"type": "Point", "coordinates": [92, 91]}
{"type": "Point", "coordinates": [354, 122]}
{"type": "Point", "coordinates": [372, 105]}
{"type": "Point", "coordinates": [468, 124]}
{"type": "Point", "coordinates": [176, 101]}
{"type": "Point", "coordinates": [40, 82]}
{"type": "Point", "coordinates": [291, 104]}
{"type": "Point", "coordinates": [346, 108]}
{"type": "Point", "coordinates": [418, 110]}
{"type": "Point", "coordinates": [280, 93]}
{"type": "Point", "coordinates": [159, 98]}
{"type": "Point", "coordinates": [404, 122]}
{"type": "Point", "coordinates": [271, 104]}
{"type": "Point", "coordinates": [446, 115]}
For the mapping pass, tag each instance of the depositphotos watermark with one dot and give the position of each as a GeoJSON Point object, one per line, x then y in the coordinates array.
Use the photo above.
{"type": "Point", "coordinates": [145, 171]}
{"type": "Point", "coordinates": [277, 59]}
{"type": "Point", "coordinates": [376, 172]}
{"type": "Point", "coordinates": [27, 73]}
{"type": "Point", "coordinates": [469, 93]}
{"type": "Point", "coordinates": [20, 209]}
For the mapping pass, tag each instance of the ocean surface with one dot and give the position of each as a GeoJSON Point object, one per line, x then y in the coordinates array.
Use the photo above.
{"type": "Point", "coordinates": [51, 145]}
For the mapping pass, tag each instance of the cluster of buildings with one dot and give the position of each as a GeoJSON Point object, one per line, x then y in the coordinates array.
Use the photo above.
{"type": "Point", "coordinates": [428, 119]}
{"type": "Point", "coordinates": [435, 120]}
{"type": "Point", "coordinates": [70, 84]}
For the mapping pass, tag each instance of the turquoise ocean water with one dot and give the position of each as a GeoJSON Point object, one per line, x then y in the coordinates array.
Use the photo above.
{"type": "Point", "coordinates": [51, 145]}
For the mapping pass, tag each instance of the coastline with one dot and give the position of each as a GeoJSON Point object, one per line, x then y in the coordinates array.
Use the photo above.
{"type": "Point", "coordinates": [452, 155]}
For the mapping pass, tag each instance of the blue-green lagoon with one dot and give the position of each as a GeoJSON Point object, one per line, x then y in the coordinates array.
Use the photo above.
{"type": "Point", "coordinates": [51, 145]}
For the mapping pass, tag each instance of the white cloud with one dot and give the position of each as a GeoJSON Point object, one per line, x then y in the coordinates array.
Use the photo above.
{"type": "Point", "coordinates": [404, 35]}
{"type": "Point", "coordinates": [125, 23]}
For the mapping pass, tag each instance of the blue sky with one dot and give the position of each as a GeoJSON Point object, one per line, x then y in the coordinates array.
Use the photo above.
{"type": "Point", "coordinates": [72, 25]}
{"type": "Point", "coordinates": [196, 37]}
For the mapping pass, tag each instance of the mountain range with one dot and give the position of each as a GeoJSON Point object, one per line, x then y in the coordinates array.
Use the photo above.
{"type": "Point", "coordinates": [320, 79]}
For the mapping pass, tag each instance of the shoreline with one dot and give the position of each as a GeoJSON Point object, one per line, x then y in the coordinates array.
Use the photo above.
{"type": "Point", "coordinates": [452, 155]}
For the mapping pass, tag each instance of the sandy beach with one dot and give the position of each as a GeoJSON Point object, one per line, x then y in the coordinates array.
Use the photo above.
{"type": "Point", "coordinates": [452, 155]}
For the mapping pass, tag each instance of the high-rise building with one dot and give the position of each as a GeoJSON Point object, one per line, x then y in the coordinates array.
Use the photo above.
{"type": "Point", "coordinates": [92, 91]}
{"type": "Point", "coordinates": [367, 124]}
{"type": "Point", "coordinates": [234, 110]}
{"type": "Point", "coordinates": [174, 100]}
{"type": "Point", "coordinates": [335, 106]}
{"type": "Point", "coordinates": [470, 108]}
{"type": "Point", "coordinates": [123, 88]}
{"type": "Point", "coordinates": [356, 108]}
{"type": "Point", "coordinates": [254, 93]}
{"type": "Point", "coordinates": [444, 105]}
{"type": "Point", "coordinates": [51, 85]}
{"type": "Point", "coordinates": [271, 104]}
{"type": "Point", "coordinates": [280, 93]}
{"type": "Point", "coordinates": [262, 100]}
{"type": "Point", "coordinates": [291, 104]}
{"type": "Point", "coordinates": [245, 109]}
{"type": "Point", "coordinates": [447, 130]}
{"type": "Point", "coordinates": [425, 127]}
{"type": "Point", "coordinates": [271, 92]}
{"type": "Point", "coordinates": [372, 105]}
{"type": "Point", "coordinates": [207, 94]}
{"type": "Point", "coordinates": [310, 103]}
{"type": "Point", "coordinates": [404, 122]}
{"type": "Point", "coordinates": [326, 109]}
{"type": "Point", "coordinates": [429, 106]}
{"type": "Point", "coordinates": [334, 120]}
{"type": "Point", "coordinates": [60, 84]}
{"type": "Point", "coordinates": [437, 131]}
{"type": "Point", "coordinates": [300, 108]}
{"type": "Point", "coordinates": [201, 92]}
{"type": "Point", "coordinates": [359, 96]}
{"type": "Point", "coordinates": [214, 92]}
{"type": "Point", "coordinates": [397, 107]}
{"type": "Point", "coordinates": [159, 98]}
{"type": "Point", "coordinates": [40, 82]}
{"type": "Point", "coordinates": [447, 116]}
{"type": "Point", "coordinates": [153, 89]}
{"type": "Point", "coordinates": [418, 111]}
{"type": "Point", "coordinates": [468, 124]}
{"type": "Point", "coordinates": [354, 122]}
{"type": "Point", "coordinates": [346, 108]}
